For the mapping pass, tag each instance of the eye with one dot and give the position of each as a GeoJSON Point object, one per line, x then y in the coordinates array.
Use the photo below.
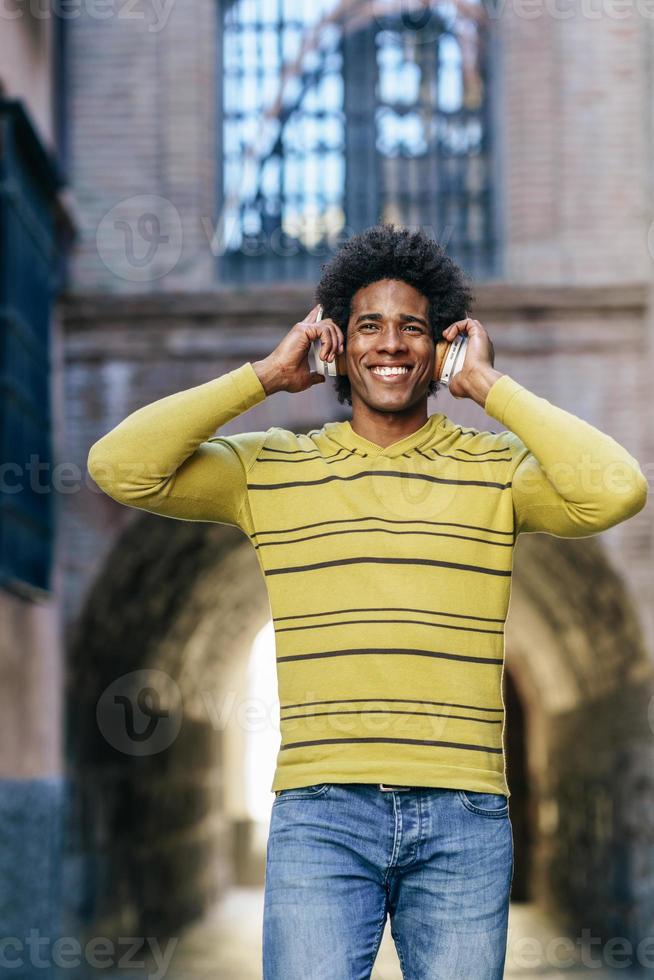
{"type": "Point", "coordinates": [410, 326]}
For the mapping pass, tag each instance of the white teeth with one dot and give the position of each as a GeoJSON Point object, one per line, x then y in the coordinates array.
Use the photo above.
{"type": "Point", "coordinates": [390, 371]}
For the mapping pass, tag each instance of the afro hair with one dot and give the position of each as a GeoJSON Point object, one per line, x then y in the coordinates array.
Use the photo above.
{"type": "Point", "coordinates": [385, 251]}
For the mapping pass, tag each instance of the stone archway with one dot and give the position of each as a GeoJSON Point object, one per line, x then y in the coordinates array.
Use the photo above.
{"type": "Point", "coordinates": [182, 600]}
{"type": "Point", "coordinates": [578, 664]}
{"type": "Point", "coordinates": [188, 598]}
{"type": "Point", "coordinates": [521, 802]}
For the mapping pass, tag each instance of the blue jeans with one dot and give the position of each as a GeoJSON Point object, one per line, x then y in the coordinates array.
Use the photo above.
{"type": "Point", "coordinates": [343, 856]}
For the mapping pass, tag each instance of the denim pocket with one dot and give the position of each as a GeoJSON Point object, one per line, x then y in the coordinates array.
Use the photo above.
{"type": "Point", "coordinates": [301, 792]}
{"type": "Point", "coordinates": [487, 804]}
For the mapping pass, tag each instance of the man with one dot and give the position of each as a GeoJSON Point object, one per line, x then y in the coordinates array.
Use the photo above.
{"type": "Point", "coordinates": [386, 542]}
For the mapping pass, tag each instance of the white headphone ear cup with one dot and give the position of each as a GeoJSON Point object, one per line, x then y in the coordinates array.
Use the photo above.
{"type": "Point", "coordinates": [328, 368]}
{"type": "Point", "coordinates": [454, 358]}
{"type": "Point", "coordinates": [318, 365]}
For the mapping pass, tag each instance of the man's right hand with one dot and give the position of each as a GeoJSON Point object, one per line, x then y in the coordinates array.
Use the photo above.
{"type": "Point", "coordinates": [287, 367]}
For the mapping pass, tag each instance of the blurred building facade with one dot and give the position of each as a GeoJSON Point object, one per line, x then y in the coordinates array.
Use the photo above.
{"type": "Point", "coordinates": [36, 229]}
{"type": "Point", "coordinates": [216, 153]}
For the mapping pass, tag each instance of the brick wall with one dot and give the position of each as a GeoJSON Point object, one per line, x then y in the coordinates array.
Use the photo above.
{"type": "Point", "coordinates": [577, 145]}
{"type": "Point", "coordinates": [141, 103]}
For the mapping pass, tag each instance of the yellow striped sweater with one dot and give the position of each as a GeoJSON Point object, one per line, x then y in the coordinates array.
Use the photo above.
{"type": "Point", "coordinates": [388, 569]}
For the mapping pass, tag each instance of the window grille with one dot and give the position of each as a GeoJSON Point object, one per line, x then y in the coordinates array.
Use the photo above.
{"type": "Point", "coordinates": [333, 119]}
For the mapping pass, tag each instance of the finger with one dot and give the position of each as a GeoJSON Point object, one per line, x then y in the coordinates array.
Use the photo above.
{"type": "Point", "coordinates": [459, 326]}
{"type": "Point", "coordinates": [334, 341]}
{"type": "Point", "coordinates": [329, 340]}
{"type": "Point", "coordinates": [325, 343]}
{"type": "Point", "coordinates": [339, 337]}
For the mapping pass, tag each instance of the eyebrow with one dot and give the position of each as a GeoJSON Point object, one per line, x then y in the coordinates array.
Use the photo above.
{"type": "Point", "coordinates": [403, 316]}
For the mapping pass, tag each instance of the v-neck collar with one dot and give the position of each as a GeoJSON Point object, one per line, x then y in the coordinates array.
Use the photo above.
{"type": "Point", "coordinates": [344, 435]}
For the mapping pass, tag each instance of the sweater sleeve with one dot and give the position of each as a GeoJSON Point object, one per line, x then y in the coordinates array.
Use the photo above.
{"type": "Point", "coordinates": [163, 459]}
{"type": "Point", "coordinates": [571, 480]}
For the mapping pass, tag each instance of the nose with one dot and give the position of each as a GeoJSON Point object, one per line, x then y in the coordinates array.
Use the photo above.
{"type": "Point", "coordinates": [392, 340]}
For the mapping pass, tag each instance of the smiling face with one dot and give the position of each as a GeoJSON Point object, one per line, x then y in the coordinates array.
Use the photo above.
{"type": "Point", "coordinates": [388, 327]}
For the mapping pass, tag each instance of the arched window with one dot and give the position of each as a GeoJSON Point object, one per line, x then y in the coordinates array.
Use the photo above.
{"type": "Point", "coordinates": [337, 115]}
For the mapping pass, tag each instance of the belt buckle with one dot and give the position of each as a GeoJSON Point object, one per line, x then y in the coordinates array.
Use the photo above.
{"type": "Point", "coordinates": [390, 789]}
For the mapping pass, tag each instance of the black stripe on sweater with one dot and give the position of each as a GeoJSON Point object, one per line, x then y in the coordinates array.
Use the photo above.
{"type": "Point", "coordinates": [372, 560]}
{"type": "Point", "coordinates": [384, 622]}
{"type": "Point", "coordinates": [383, 530]}
{"type": "Point", "coordinates": [378, 473]}
{"type": "Point", "coordinates": [389, 651]}
{"type": "Point", "coordinates": [411, 609]}
{"type": "Point", "coordinates": [385, 520]}
{"type": "Point", "coordinates": [334, 458]}
{"type": "Point", "coordinates": [380, 711]}
{"type": "Point", "coordinates": [399, 741]}
{"type": "Point", "coordinates": [499, 459]}
{"type": "Point", "coordinates": [442, 704]}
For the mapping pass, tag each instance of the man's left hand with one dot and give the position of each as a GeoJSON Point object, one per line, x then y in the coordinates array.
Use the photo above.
{"type": "Point", "coordinates": [477, 374]}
